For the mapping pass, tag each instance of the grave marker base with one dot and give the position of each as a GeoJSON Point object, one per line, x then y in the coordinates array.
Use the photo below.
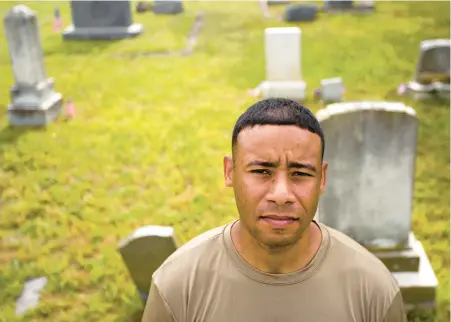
{"type": "Point", "coordinates": [418, 288]}
{"type": "Point", "coordinates": [107, 33]}
{"type": "Point", "coordinates": [34, 106]}
{"type": "Point", "coordinates": [294, 90]}
{"type": "Point", "coordinates": [419, 91]}
{"type": "Point", "coordinates": [400, 260]}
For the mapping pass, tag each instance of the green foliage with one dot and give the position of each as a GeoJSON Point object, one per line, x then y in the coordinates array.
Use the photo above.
{"type": "Point", "coordinates": [147, 142]}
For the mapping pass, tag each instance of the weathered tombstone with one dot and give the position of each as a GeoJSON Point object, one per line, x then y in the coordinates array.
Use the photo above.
{"type": "Point", "coordinates": [371, 151]}
{"type": "Point", "coordinates": [283, 64]}
{"type": "Point", "coordinates": [102, 20]}
{"type": "Point", "coordinates": [170, 7]}
{"type": "Point", "coordinates": [33, 99]}
{"type": "Point", "coordinates": [432, 74]}
{"type": "Point", "coordinates": [332, 89]}
{"type": "Point", "coordinates": [301, 12]}
{"type": "Point", "coordinates": [144, 251]}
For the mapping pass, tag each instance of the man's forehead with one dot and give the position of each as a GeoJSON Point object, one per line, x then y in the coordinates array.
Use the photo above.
{"type": "Point", "coordinates": [274, 141]}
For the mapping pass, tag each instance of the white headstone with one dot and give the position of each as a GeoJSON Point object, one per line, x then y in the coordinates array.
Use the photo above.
{"type": "Point", "coordinates": [144, 251]}
{"type": "Point", "coordinates": [283, 64]}
{"type": "Point", "coordinates": [371, 150]}
{"type": "Point", "coordinates": [432, 73]}
{"type": "Point", "coordinates": [283, 54]}
{"type": "Point", "coordinates": [34, 102]}
{"type": "Point", "coordinates": [332, 89]}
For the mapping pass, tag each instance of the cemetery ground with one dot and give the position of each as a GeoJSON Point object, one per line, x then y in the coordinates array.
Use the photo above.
{"type": "Point", "coordinates": [146, 144]}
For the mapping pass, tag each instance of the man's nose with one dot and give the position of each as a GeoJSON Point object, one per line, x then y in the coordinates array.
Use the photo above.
{"type": "Point", "coordinates": [281, 192]}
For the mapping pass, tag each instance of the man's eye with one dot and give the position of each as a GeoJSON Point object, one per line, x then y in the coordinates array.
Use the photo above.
{"type": "Point", "coordinates": [297, 173]}
{"type": "Point", "coordinates": [260, 171]}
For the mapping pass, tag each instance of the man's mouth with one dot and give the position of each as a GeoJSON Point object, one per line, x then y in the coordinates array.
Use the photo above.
{"type": "Point", "coordinates": [279, 221]}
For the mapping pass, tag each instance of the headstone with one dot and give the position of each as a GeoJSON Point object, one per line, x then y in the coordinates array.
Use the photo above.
{"type": "Point", "coordinates": [33, 99]}
{"type": "Point", "coordinates": [283, 64]}
{"type": "Point", "coordinates": [339, 4]}
{"type": "Point", "coordinates": [102, 20]}
{"type": "Point", "coordinates": [144, 251]}
{"type": "Point", "coordinates": [170, 7]}
{"type": "Point", "coordinates": [432, 74]}
{"type": "Point", "coordinates": [301, 12]}
{"type": "Point", "coordinates": [332, 89]}
{"type": "Point", "coordinates": [371, 151]}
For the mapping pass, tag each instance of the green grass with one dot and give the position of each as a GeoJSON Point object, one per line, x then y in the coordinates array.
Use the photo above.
{"type": "Point", "coordinates": [147, 142]}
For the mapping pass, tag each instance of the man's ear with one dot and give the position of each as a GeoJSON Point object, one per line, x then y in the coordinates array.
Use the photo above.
{"type": "Point", "coordinates": [228, 171]}
{"type": "Point", "coordinates": [322, 186]}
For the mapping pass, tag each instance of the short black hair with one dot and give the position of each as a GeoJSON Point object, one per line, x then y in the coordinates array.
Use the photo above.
{"type": "Point", "coordinates": [278, 111]}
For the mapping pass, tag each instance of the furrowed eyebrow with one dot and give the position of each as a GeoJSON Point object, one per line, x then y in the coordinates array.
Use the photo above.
{"type": "Point", "coordinates": [268, 164]}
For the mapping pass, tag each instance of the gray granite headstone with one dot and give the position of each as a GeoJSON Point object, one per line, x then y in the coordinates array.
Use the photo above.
{"type": "Point", "coordinates": [433, 69]}
{"type": "Point", "coordinates": [144, 251]}
{"type": "Point", "coordinates": [301, 12]}
{"type": "Point", "coordinates": [339, 4]}
{"type": "Point", "coordinates": [371, 150]}
{"type": "Point", "coordinates": [169, 7]}
{"type": "Point", "coordinates": [33, 99]}
{"type": "Point", "coordinates": [102, 20]}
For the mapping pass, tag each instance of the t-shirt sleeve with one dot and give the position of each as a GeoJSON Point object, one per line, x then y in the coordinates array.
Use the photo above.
{"type": "Point", "coordinates": [396, 312]}
{"type": "Point", "coordinates": [156, 309]}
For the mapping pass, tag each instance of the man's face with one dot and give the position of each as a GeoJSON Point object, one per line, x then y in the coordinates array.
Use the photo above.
{"type": "Point", "coordinates": [277, 177]}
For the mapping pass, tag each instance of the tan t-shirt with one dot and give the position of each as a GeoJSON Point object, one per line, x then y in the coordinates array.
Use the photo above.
{"type": "Point", "coordinates": [206, 280]}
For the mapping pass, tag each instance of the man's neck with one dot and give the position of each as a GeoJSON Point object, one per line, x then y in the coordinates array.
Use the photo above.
{"type": "Point", "coordinates": [287, 260]}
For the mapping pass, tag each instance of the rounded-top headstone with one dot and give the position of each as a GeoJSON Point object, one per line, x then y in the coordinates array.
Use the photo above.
{"type": "Point", "coordinates": [301, 12]}
{"type": "Point", "coordinates": [370, 147]}
{"type": "Point", "coordinates": [144, 251]}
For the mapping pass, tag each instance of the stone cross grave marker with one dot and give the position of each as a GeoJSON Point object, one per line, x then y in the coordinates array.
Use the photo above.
{"type": "Point", "coordinates": [102, 20]}
{"type": "Point", "coordinates": [144, 251]}
{"type": "Point", "coordinates": [433, 69]}
{"type": "Point", "coordinates": [283, 64]}
{"type": "Point", "coordinates": [33, 99]}
{"type": "Point", "coordinates": [371, 150]}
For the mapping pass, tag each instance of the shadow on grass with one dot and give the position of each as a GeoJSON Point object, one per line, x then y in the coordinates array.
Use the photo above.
{"type": "Point", "coordinates": [136, 316]}
{"type": "Point", "coordinates": [78, 47]}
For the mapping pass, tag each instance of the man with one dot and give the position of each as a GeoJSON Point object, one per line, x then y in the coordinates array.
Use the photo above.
{"type": "Point", "coordinates": [275, 263]}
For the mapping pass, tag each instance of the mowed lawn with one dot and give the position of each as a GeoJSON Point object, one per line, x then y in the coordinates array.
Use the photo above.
{"type": "Point", "coordinates": [147, 142]}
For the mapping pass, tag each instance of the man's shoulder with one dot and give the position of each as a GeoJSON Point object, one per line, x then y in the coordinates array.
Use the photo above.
{"type": "Point", "coordinates": [196, 251]}
{"type": "Point", "coordinates": [352, 258]}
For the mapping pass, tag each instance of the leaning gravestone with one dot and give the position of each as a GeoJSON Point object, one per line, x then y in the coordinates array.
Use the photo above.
{"type": "Point", "coordinates": [283, 64]}
{"type": "Point", "coordinates": [369, 196]}
{"type": "Point", "coordinates": [432, 74]}
{"type": "Point", "coordinates": [169, 7]}
{"type": "Point", "coordinates": [102, 20]}
{"type": "Point", "coordinates": [144, 251]}
{"type": "Point", "coordinates": [34, 101]}
{"type": "Point", "coordinates": [301, 12]}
